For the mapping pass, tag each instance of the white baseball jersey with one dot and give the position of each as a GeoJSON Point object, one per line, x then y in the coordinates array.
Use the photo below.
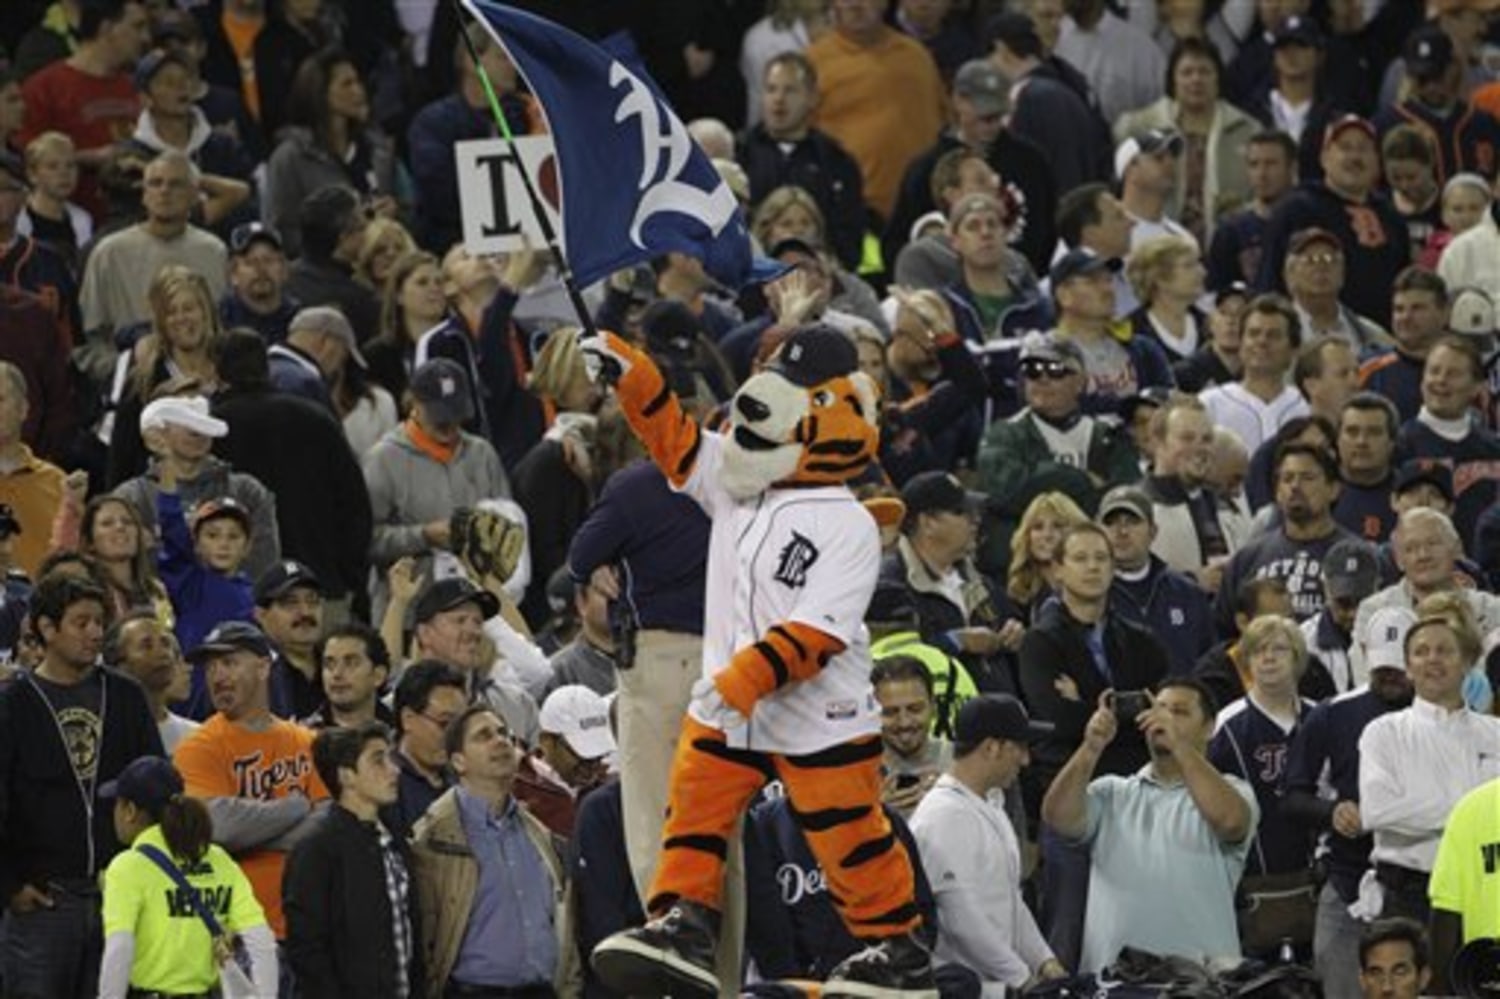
{"type": "Point", "coordinates": [809, 556]}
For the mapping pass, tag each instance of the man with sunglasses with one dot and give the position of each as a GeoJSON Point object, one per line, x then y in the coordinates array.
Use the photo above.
{"type": "Point", "coordinates": [1052, 445]}
{"type": "Point", "coordinates": [257, 298]}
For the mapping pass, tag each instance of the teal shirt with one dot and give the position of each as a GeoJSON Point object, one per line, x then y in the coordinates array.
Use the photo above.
{"type": "Point", "coordinates": [1160, 879]}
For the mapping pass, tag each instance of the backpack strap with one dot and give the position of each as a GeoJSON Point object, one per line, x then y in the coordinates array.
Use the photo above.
{"type": "Point", "coordinates": [171, 870]}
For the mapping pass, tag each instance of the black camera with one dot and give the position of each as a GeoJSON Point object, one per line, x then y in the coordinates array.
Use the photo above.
{"type": "Point", "coordinates": [1129, 704]}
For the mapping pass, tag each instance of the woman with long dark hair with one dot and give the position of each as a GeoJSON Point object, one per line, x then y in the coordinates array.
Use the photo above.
{"type": "Point", "coordinates": [328, 140]}
{"type": "Point", "coordinates": [151, 946]}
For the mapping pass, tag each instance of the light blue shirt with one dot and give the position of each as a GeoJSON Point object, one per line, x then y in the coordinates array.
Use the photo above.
{"type": "Point", "coordinates": [1160, 879]}
{"type": "Point", "coordinates": [509, 940]}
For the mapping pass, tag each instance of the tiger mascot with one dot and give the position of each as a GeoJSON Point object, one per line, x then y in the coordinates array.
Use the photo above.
{"type": "Point", "coordinates": [792, 563]}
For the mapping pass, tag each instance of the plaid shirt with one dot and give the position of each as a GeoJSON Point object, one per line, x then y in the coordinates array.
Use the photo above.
{"type": "Point", "coordinates": [398, 890]}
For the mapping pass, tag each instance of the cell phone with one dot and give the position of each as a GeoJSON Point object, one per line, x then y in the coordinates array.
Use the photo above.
{"type": "Point", "coordinates": [1128, 704]}
{"type": "Point", "coordinates": [904, 781]}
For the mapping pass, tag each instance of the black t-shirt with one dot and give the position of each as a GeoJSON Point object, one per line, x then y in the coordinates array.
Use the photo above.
{"type": "Point", "coordinates": [79, 713]}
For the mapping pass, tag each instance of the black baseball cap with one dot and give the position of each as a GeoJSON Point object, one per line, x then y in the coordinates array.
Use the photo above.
{"type": "Point", "coordinates": [1234, 289]}
{"type": "Point", "coordinates": [283, 577]}
{"type": "Point", "coordinates": [455, 591]}
{"type": "Point", "coordinates": [814, 354]}
{"type": "Point", "coordinates": [1415, 472]}
{"type": "Point", "coordinates": [148, 781]}
{"type": "Point", "coordinates": [1154, 396]}
{"type": "Point", "coordinates": [442, 388]}
{"type": "Point", "coordinates": [1351, 569]}
{"type": "Point", "coordinates": [938, 492]}
{"type": "Point", "coordinates": [247, 234]}
{"type": "Point", "coordinates": [1428, 53]}
{"type": "Point", "coordinates": [231, 636]}
{"type": "Point", "coordinates": [1079, 263]}
{"type": "Point", "coordinates": [996, 716]}
{"type": "Point", "coordinates": [1297, 30]}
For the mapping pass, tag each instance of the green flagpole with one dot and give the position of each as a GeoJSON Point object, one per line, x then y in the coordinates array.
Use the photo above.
{"type": "Point", "coordinates": [538, 208]}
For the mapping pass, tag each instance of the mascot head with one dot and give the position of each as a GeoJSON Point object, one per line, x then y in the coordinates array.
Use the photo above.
{"type": "Point", "coordinates": [807, 419]}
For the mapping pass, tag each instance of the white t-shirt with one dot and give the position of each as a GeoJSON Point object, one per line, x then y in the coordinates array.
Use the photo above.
{"type": "Point", "coordinates": [808, 556]}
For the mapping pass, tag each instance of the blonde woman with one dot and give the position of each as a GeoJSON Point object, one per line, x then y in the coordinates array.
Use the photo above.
{"type": "Point", "coordinates": [1167, 275]}
{"type": "Point", "coordinates": [790, 212]}
{"type": "Point", "coordinates": [184, 326]}
{"type": "Point", "coordinates": [1259, 727]}
{"type": "Point", "coordinates": [1028, 581]}
{"type": "Point", "coordinates": [386, 242]}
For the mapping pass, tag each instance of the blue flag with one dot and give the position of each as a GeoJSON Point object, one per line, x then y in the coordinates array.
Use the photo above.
{"type": "Point", "coordinates": [633, 184]}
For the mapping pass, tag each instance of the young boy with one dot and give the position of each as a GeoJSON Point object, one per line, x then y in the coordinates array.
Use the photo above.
{"type": "Point", "coordinates": [200, 560]}
{"type": "Point", "coordinates": [49, 217]}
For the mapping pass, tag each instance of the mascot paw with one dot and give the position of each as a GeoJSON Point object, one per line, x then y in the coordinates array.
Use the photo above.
{"type": "Point", "coordinates": [709, 707]}
{"type": "Point", "coordinates": [605, 356]}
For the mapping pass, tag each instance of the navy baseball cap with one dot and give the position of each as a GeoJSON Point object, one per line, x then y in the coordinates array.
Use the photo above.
{"type": "Point", "coordinates": [814, 354]}
{"type": "Point", "coordinates": [283, 577]}
{"type": "Point", "coordinates": [442, 388]}
{"type": "Point", "coordinates": [149, 781]}
{"type": "Point", "coordinates": [231, 636]}
{"type": "Point", "coordinates": [996, 716]}
{"type": "Point", "coordinates": [1080, 263]}
{"type": "Point", "coordinates": [1414, 472]}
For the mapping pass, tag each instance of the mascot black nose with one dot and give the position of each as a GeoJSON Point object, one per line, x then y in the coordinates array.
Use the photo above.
{"type": "Point", "coordinates": [752, 409]}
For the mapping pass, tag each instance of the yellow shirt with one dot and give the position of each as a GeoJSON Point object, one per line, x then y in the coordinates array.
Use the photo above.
{"type": "Point", "coordinates": [884, 103]}
{"type": "Point", "coordinates": [173, 950]}
{"type": "Point", "coordinates": [1466, 874]}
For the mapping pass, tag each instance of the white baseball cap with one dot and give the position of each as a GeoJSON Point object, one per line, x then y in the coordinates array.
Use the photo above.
{"type": "Point", "coordinates": [189, 412]}
{"type": "Point", "coordinates": [581, 717]}
{"type": "Point", "coordinates": [1385, 648]}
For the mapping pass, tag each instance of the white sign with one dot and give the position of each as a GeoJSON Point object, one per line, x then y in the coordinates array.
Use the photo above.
{"type": "Point", "coordinates": [497, 214]}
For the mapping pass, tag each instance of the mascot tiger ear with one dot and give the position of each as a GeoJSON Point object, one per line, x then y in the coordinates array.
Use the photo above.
{"type": "Point", "coordinates": [807, 419]}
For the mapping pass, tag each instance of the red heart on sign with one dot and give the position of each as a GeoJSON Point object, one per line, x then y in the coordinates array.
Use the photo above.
{"type": "Point", "coordinates": [547, 180]}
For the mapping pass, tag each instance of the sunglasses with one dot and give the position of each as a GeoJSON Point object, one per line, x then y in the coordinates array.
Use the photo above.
{"type": "Point", "coordinates": [1050, 370]}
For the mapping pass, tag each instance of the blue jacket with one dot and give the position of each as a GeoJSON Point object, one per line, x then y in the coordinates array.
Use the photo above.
{"type": "Point", "coordinates": [272, 328]}
{"type": "Point", "coordinates": [659, 541]}
{"type": "Point", "coordinates": [201, 597]}
{"type": "Point", "coordinates": [297, 374]}
{"type": "Point", "coordinates": [1173, 608]}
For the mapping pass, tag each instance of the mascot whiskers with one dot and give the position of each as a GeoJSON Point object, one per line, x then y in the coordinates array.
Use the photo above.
{"type": "Point", "coordinates": [785, 694]}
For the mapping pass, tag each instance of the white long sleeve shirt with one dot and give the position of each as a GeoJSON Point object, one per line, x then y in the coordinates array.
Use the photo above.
{"type": "Point", "coordinates": [973, 861]}
{"type": "Point", "coordinates": [1414, 765]}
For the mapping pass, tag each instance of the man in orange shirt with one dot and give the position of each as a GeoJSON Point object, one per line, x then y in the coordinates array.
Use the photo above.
{"type": "Point", "coordinates": [880, 96]}
{"type": "Point", "coordinates": [253, 770]}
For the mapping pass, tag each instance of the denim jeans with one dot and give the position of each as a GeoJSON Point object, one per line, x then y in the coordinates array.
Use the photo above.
{"type": "Point", "coordinates": [1065, 895]}
{"type": "Point", "coordinates": [54, 953]}
{"type": "Point", "coordinates": [1336, 946]}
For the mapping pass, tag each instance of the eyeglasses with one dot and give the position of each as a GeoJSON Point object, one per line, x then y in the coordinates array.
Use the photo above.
{"type": "Point", "coordinates": [1050, 370]}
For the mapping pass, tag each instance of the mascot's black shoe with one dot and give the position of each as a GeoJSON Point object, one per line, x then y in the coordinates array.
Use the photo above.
{"type": "Point", "coordinates": [899, 966]}
{"type": "Point", "coordinates": [672, 955]}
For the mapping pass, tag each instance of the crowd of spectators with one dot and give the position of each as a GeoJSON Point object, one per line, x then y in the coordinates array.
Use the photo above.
{"type": "Point", "coordinates": [324, 558]}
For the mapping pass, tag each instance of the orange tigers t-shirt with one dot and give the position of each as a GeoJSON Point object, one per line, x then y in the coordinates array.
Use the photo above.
{"type": "Point", "coordinates": [225, 760]}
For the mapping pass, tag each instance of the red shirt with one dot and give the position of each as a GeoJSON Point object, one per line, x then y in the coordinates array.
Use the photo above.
{"type": "Point", "coordinates": [93, 111]}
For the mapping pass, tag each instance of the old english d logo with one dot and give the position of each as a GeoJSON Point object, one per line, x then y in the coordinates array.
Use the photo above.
{"type": "Point", "coordinates": [795, 559]}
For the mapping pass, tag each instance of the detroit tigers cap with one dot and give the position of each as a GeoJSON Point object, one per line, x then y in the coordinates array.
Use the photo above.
{"type": "Point", "coordinates": [938, 492]}
{"type": "Point", "coordinates": [1297, 30]}
{"type": "Point", "coordinates": [283, 577]}
{"type": "Point", "coordinates": [1351, 569]}
{"type": "Point", "coordinates": [980, 82]}
{"type": "Point", "coordinates": [996, 716]}
{"type": "Point", "coordinates": [230, 636]}
{"type": "Point", "coordinates": [814, 354]}
{"type": "Point", "coordinates": [1428, 53]}
{"type": "Point", "coordinates": [442, 388]}
{"type": "Point", "coordinates": [1385, 642]}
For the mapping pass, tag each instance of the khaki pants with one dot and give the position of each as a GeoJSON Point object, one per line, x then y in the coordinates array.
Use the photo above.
{"type": "Point", "coordinates": [654, 695]}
